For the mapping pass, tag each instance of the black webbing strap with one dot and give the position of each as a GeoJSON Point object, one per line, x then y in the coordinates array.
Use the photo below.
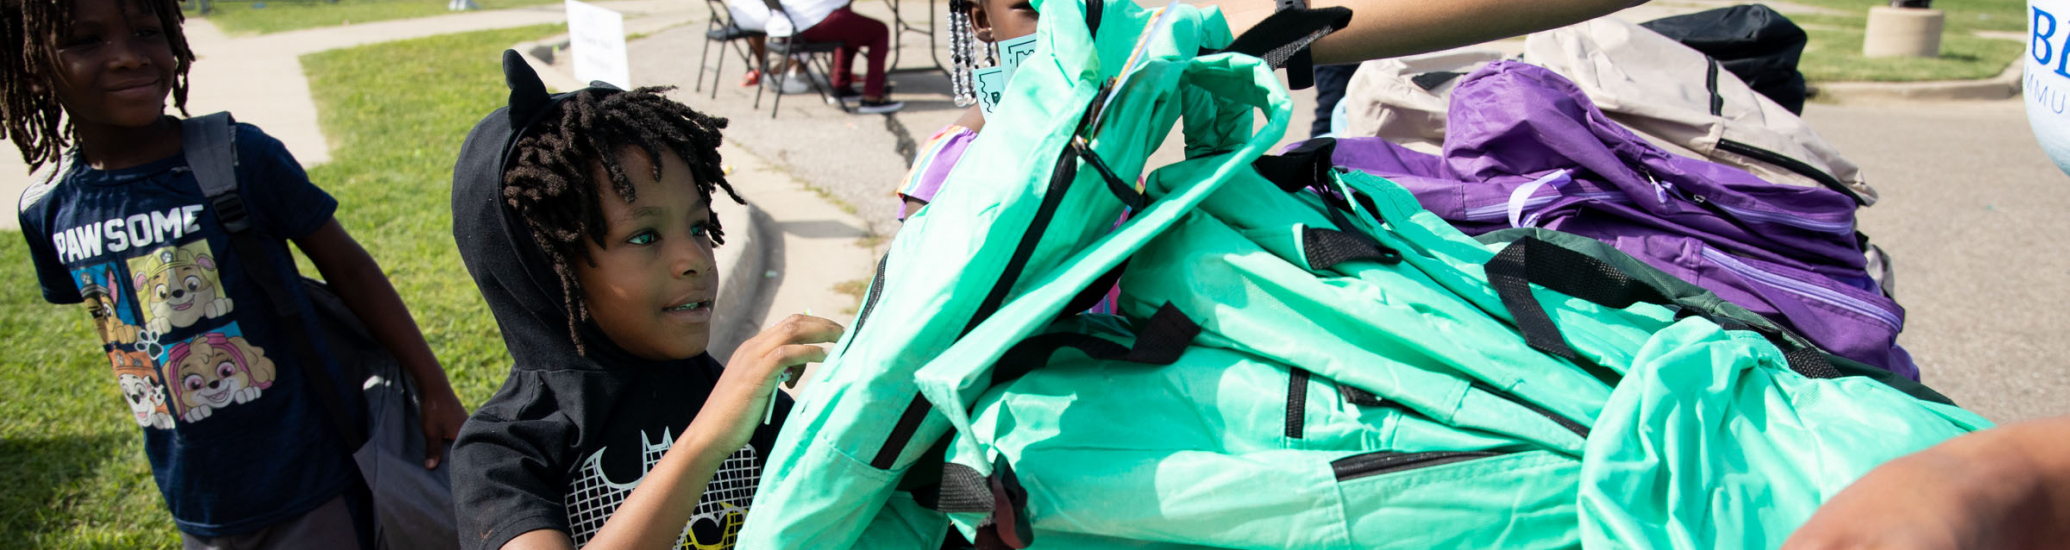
{"type": "Point", "coordinates": [1093, 10]}
{"type": "Point", "coordinates": [1431, 80]}
{"type": "Point", "coordinates": [1325, 248]}
{"type": "Point", "coordinates": [963, 490]}
{"type": "Point", "coordinates": [1097, 291]}
{"type": "Point", "coordinates": [1297, 403]}
{"type": "Point", "coordinates": [1306, 165]}
{"type": "Point", "coordinates": [1121, 188]}
{"type": "Point", "coordinates": [1160, 341]}
{"type": "Point", "coordinates": [1282, 40]}
{"type": "Point", "coordinates": [1530, 260]}
{"type": "Point", "coordinates": [210, 146]}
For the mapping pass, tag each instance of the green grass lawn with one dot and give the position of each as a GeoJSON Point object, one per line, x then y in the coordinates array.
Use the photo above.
{"type": "Point", "coordinates": [1835, 51]}
{"type": "Point", "coordinates": [261, 17]}
{"type": "Point", "coordinates": [72, 469]}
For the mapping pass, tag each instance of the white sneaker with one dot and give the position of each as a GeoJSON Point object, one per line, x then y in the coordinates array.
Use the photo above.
{"type": "Point", "coordinates": [868, 107]}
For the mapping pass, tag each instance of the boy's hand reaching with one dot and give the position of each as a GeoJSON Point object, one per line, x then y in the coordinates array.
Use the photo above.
{"type": "Point", "coordinates": [736, 405]}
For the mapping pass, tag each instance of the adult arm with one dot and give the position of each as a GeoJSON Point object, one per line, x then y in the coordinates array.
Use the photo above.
{"type": "Point", "coordinates": [2003, 488]}
{"type": "Point", "coordinates": [1391, 28]}
{"type": "Point", "coordinates": [359, 282]}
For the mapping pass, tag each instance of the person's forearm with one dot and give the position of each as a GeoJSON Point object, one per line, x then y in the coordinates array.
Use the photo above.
{"type": "Point", "coordinates": [654, 514]}
{"type": "Point", "coordinates": [1391, 28]}
{"type": "Point", "coordinates": [366, 290]}
{"type": "Point", "coordinates": [2040, 450]}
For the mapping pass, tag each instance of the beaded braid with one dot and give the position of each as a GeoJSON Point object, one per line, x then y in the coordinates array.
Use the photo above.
{"type": "Point", "coordinates": [552, 184]}
{"type": "Point", "coordinates": [964, 49]}
{"type": "Point", "coordinates": [30, 115]}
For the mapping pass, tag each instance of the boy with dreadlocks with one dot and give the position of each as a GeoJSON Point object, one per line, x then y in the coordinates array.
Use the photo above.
{"type": "Point", "coordinates": [247, 457]}
{"type": "Point", "coordinates": [585, 219]}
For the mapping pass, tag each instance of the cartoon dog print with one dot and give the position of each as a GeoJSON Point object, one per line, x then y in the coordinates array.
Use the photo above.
{"type": "Point", "coordinates": [178, 286]}
{"type": "Point", "coordinates": [214, 370]}
{"type": "Point", "coordinates": [104, 302]}
{"type": "Point", "coordinates": [141, 388]}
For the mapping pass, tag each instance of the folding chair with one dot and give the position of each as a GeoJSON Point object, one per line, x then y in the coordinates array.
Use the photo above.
{"type": "Point", "coordinates": [815, 55]}
{"type": "Point", "coordinates": [722, 29]}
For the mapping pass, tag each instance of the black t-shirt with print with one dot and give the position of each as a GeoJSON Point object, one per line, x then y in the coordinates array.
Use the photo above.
{"type": "Point", "coordinates": [561, 449]}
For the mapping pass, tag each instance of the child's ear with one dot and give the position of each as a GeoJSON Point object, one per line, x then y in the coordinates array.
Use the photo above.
{"type": "Point", "coordinates": [980, 25]}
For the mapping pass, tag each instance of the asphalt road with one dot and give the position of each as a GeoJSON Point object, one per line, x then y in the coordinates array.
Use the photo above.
{"type": "Point", "coordinates": [1972, 212]}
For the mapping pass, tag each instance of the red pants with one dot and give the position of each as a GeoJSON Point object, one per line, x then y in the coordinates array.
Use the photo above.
{"type": "Point", "coordinates": [854, 32]}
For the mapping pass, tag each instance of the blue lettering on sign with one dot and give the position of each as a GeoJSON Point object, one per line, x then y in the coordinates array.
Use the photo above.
{"type": "Point", "coordinates": [2038, 46]}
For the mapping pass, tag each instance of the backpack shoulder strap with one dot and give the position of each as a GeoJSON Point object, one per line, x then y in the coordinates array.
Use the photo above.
{"type": "Point", "coordinates": [209, 143]}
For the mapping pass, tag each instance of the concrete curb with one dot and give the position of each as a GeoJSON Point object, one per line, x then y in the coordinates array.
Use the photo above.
{"type": "Point", "coordinates": [2004, 86]}
{"type": "Point", "coordinates": [743, 300]}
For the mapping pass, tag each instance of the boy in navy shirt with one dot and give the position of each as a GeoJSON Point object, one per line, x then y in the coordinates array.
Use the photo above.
{"type": "Point", "coordinates": [241, 452]}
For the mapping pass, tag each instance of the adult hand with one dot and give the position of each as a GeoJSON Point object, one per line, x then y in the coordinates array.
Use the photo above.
{"type": "Point", "coordinates": [737, 403]}
{"type": "Point", "coordinates": [441, 414]}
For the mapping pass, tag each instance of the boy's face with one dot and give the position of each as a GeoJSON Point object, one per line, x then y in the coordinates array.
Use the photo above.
{"type": "Point", "coordinates": [115, 64]}
{"type": "Point", "coordinates": [652, 284]}
{"type": "Point", "coordinates": [1003, 19]}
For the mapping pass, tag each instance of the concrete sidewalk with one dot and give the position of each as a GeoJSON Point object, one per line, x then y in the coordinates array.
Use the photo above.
{"type": "Point", "coordinates": [260, 77]}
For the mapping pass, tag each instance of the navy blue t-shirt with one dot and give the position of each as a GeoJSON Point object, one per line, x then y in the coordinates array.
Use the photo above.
{"type": "Point", "coordinates": [235, 439]}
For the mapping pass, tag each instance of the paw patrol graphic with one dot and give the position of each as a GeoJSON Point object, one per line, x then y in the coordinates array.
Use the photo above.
{"type": "Point", "coordinates": [216, 370]}
{"type": "Point", "coordinates": [138, 378]}
{"type": "Point", "coordinates": [178, 286]}
{"type": "Point", "coordinates": [113, 320]}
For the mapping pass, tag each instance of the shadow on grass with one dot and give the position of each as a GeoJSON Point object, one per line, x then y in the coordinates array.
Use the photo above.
{"type": "Point", "coordinates": [44, 478]}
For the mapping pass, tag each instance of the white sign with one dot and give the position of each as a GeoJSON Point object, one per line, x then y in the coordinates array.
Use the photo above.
{"type": "Point", "coordinates": [596, 37]}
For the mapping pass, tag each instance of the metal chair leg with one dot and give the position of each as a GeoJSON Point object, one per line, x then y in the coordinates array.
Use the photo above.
{"type": "Point", "coordinates": [785, 74]}
{"type": "Point", "coordinates": [718, 73]}
{"type": "Point", "coordinates": [702, 62]}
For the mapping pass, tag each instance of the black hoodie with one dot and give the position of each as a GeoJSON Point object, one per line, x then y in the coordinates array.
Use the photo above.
{"type": "Point", "coordinates": [565, 439]}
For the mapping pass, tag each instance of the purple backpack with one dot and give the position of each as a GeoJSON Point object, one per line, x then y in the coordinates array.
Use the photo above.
{"type": "Point", "coordinates": [1526, 148]}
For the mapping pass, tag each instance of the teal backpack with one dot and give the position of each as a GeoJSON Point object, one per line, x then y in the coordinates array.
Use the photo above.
{"type": "Point", "coordinates": [1304, 358]}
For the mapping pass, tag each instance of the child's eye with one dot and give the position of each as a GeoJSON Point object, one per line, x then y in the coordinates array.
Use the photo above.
{"type": "Point", "coordinates": [77, 41]}
{"type": "Point", "coordinates": [643, 237]}
{"type": "Point", "coordinates": [700, 229]}
{"type": "Point", "coordinates": [148, 33]}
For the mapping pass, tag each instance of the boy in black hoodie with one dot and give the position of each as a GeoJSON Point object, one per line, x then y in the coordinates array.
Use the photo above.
{"type": "Point", "coordinates": [585, 220]}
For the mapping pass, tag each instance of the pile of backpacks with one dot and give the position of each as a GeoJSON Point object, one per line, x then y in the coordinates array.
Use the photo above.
{"type": "Point", "coordinates": [1612, 130]}
{"type": "Point", "coordinates": [1308, 355]}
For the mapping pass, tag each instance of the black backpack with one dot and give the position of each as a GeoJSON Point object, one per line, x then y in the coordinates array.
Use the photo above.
{"type": "Point", "coordinates": [1754, 42]}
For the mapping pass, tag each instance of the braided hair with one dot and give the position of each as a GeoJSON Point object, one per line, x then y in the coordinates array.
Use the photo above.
{"type": "Point", "coordinates": [30, 115]}
{"type": "Point", "coordinates": [964, 50]}
{"type": "Point", "coordinates": [551, 181]}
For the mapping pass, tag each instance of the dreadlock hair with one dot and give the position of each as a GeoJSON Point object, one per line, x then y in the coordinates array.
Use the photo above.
{"type": "Point", "coordinates": [964, 49]}
{"type": "Point", "coordinates": [30, 115]}
{"type": "Point", "coordinates": [551, 183]}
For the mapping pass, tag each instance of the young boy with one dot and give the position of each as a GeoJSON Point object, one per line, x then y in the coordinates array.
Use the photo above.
{"type": "Point", "coordinates": [241, 449]}
{"type": "Point", "coordinates": [585, 219]}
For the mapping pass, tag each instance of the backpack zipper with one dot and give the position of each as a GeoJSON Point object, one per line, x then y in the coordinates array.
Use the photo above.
{"type": "Point", "coordinates": [1297, 403]}
{"type": "Point", "coordinates": [1796, 221]}
{"type": "Point", "coordinates": [1806, 290]}
{"type": "Point", "coordinates": [876, 290]}
{"type": "Point", "coordinates": [1387, 462]}
{"type": "Point", "coordinates": [1793, 165]}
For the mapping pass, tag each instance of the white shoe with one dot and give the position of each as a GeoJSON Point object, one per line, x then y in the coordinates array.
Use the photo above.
{"type": "Point", "coordinates": [794, 83]}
